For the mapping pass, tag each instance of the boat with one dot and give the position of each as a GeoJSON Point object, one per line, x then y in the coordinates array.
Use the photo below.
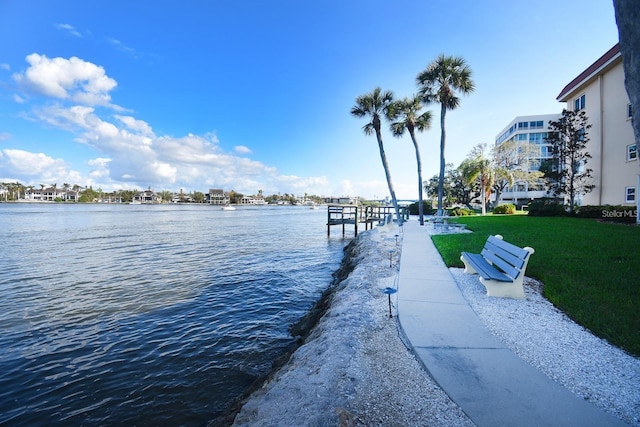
{"type": "Point", "coordinates": [228, 208]}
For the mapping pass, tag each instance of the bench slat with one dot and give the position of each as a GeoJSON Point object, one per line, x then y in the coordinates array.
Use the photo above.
{"type": "Point", "coordinates": [503, 265]}
{"type": "Point", "coordinates": [509, 257]}
{"type": "Point", "coordinates": [485, 269]}
{"type": "Point", "coordinates": [509, 247]}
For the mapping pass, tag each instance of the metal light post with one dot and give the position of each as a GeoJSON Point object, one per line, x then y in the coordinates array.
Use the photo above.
{"type": "Point", "coordinates": [389, 291]}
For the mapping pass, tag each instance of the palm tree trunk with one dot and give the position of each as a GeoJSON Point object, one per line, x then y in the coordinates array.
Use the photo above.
{"type": "Point", "coordinates": [419, 162]}
{"type": "Point", "coordinates": [443, 112]}
{"type": "Point", "coordinates": [385, 165]}
{"type": "Point", "coordinates": [483, 192]}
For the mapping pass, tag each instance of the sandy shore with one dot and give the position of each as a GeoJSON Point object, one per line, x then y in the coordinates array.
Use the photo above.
{"type": "Point", "coordinates": [355, 370]}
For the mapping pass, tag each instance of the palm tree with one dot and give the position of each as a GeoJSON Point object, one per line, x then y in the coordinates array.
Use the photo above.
{"type": "Point", "coordinates": [375, 104]}
{"type": "Point", "coordinates": [405, 115]}
{"type": "Point", "coordinates": [477, 167]}
{"type": "Point", "coordinates": [439, 83]}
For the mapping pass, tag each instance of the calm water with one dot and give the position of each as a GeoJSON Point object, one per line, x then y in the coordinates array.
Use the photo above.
{"type": "Point", "coordinates": [149, 315]}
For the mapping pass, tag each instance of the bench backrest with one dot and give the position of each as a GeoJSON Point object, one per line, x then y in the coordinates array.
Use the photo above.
{"type": "Point", "coordinates": [506, 256]}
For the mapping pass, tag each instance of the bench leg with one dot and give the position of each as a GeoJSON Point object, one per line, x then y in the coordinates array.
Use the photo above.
{"type": "Point", "coordinates": [504, 289]}
{"type": "Point", "coordinates": [467, 267]}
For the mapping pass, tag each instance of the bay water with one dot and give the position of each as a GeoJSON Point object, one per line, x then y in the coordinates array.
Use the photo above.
{"type": "Point", "coordinates": [149, 314]}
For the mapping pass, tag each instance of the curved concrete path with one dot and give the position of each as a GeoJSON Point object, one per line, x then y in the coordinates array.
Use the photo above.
{"type": "Point", "coordinates": [491, 384]}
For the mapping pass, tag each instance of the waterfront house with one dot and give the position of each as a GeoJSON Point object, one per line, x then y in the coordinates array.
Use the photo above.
{"type": "Point", "coordinates": [50, 194]}
{"type": "Point", "coordinates": [217, 196]}
{"type": "Point", "coordinates": [147, 196]}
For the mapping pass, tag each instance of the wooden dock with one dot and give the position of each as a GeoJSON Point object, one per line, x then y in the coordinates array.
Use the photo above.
{"type": "Point", "coordinates": [353, 215]}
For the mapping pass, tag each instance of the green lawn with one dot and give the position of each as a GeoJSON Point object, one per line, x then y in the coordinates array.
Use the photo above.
{"type": "Point", "coordinates": [590, 270]}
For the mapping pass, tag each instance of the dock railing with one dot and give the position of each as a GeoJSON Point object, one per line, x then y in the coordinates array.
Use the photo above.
{"type": "Point", "coordinates": [369, 215]}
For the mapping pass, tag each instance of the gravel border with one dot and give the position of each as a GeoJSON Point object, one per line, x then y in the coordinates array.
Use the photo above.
{"type": "Point", "coordinates": [355, 370]}
{"type": "Point", "coordinates": [566, 352]}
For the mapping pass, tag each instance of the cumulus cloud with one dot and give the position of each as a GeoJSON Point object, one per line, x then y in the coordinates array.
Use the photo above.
{"type": "Point", "coordinates": [33, 168]}
{"type": "Point", "coordinates": [67, 79]}
{"type": "Point", "coordinates": [241, 149]}
{"type": "Point", "coordinates": [130, 152]}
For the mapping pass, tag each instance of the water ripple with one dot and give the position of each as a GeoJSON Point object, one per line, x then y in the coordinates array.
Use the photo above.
{"type": "Point", "coordinates": [149, 315]}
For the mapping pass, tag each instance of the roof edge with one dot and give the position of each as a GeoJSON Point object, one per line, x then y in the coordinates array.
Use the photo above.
{"type": "Point", "coordinates": [597, 65]}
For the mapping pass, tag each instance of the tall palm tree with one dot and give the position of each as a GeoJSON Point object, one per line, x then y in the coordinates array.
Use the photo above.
{"type": "Point", "coordinates": [439, 83]}
{"type": "Point", "coordinates": [374, 105]}
{"type": "Point", "coordinates": [405, 115]}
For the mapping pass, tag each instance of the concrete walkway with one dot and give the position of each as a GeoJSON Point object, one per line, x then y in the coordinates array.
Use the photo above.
{"type": "Point", "coordinates": [491, 384]}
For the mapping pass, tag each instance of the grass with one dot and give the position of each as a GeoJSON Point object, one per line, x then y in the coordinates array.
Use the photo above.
{"type": "Point", "coordinates": [590, 269]}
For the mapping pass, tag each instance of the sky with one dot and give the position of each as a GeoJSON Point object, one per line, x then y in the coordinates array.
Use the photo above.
{"type": "Point", "coordinates": [250, 95]}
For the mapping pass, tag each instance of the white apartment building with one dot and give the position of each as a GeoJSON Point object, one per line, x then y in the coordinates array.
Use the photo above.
{"type": "Point", "coordinates": [528, 130]}
{"type": "Point", "coordinates": [599, 91]}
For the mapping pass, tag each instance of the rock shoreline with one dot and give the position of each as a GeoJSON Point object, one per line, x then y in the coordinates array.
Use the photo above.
{"type": "Point", "coordinates": [299, 330]}
{"type": "Point", "coordinates": [353, 368]}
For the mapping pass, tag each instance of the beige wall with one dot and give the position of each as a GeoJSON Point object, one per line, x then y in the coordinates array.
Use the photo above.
{"type": "Point", "coordinates": [609, 136]}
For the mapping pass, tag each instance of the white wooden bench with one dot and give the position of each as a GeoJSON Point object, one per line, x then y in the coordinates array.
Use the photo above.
{"type": "Point", "coordinates": [501, 267]}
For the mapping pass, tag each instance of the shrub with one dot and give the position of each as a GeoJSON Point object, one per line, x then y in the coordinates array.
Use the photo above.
{"type": "Point", "coordinates": [505, 209]}
{"type": "Point", "coordinates": [546, 207]}
{"type": "Point", "coordinates": [458, 211]}
{"type": "Point", "coordinates": [427, 208]}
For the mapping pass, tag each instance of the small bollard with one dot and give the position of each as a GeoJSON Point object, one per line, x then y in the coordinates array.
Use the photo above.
{"type": "Point", "coordinates": [389, 291]}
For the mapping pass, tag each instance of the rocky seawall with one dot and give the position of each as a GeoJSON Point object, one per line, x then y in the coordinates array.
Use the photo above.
{"type": "Point", "coordinates": [352, 367]}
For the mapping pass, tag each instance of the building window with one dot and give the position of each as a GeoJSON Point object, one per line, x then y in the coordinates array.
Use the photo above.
{"type": "Point", "coordinates": [537, 137]}
{"type": "Point", "coordinates": [630, 195]}
{"type": "Point", "coordinates": [632, 153]}
{"type": "Point", "coordinates": [546, 151]}
{"type": "Point", "coordinates": [629, 111]}
{"type": "Point", "coordinates": [579, 103]}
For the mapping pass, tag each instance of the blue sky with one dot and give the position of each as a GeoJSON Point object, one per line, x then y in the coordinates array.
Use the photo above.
{"type": "Point", "coordinates": [256, 95]}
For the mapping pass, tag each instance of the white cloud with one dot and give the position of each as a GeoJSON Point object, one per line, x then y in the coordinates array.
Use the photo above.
{"type": "Point", "coordinates": [5, 66]}
{"type": "Point", "coordinates": [122, 47]}
{"type": "Point", "coordinates": [35, 168]}
{"type": "Point", "coordinates": [70, 29]}
{"type": "Point", "coordinates": [131, 154]}
{"type": "Point", "coordinates": [241, 149]}
{"type": "Point", "coordinates": [67, 79]}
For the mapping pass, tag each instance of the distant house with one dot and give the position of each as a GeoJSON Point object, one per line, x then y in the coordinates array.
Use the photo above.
{"type": "Point", "coordinates": [341, 200]}
{"type": "Point", "coordinates": [217, 196]}
{"type": "Point", "coordinates": [49, 194]}
{"type": "Point", "coordinates": [71, 196]}
{"type": "Point", "coordinates": [252, 200]}
{"type": "Point", "coordinates": [147, 196]}
{"type": "Point", "coordinates": [599, 91]}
